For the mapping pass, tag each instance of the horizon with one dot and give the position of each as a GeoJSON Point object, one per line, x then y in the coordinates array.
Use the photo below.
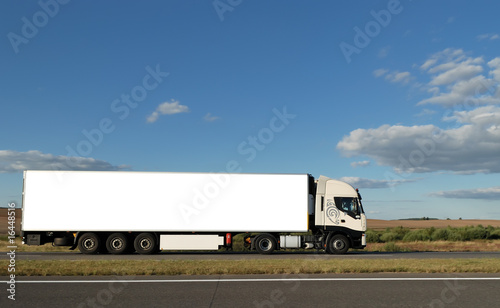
{"type": "Point", "coordinates": [410, 218]}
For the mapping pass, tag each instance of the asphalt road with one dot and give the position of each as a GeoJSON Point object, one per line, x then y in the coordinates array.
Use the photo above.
{"type": "Point", "coordinates": [376, 290]}
{"type": "Point", "coordinates": [249, 255]}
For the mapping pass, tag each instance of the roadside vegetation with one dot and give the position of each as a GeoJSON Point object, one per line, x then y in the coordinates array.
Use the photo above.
{"type": "Point", "coordinates": [401, 239]}
{"type": "Point", "coordinates": [240, 267]}
{"type": "Point", "coordinates": [398, 239]}
{"type": "Point", "coordinates": [469, 233]}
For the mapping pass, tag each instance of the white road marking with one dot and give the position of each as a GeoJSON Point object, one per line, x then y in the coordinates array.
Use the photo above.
{"type": "Point", "coordinates": [257, 280]}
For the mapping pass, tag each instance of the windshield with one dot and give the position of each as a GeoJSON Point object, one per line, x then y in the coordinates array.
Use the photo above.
{"type": "Point", "coordinates": [351, 206]}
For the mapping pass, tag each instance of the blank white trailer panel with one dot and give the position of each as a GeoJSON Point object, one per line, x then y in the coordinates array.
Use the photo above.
{"type": "Point", "coordinates": [161, 201]}
{"type": "Point", "coordinates": [191, 242]}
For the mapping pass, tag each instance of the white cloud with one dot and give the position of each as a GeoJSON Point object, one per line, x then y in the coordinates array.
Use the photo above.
{"type": "Point", "coordinates": [430, 62]}
{"type": "Point", "coordinates": [426, 112]}
{"type": "Point", "coordinates": [13, 161]}
{"type": "Point", "coordinates": [475, 91]}
{"type": "Point", "coordinates": [488, 36]}
{"type": "Point", "coordinates": [449, 55]}
{"type": "Point", "coordinates": [384, 52]}
{"type": "Point", "coordinates": [379, 72]}
{"type": "Point", "coordinates": [481, 117]}
{"type": "Point", "coordinates": [370, 183]}
{"type": "Point", "coordinates": [470, 141]}
{"type": "Point", "coordinates": [394, 76]}
{"type": "Point", "coordinates": [457, 79]}
{"type": "Point", "coordinates": [495, 68]}
{"type": "Point", "coordinates": [491, 193]}
{"type": "Point", "coordinates": [461, 71]}
{"type": "Point", "coordinates": [402, 77]}
{"type": "Point", "coordinates": [363, 163]}
{"type": "Point", "coordinates": [167, 108]}
{"type": "Point", "coordinates": [472, 147]}
{"type": "Point", "coordinates": [481, 37]}
{"type": "Point", "coordinates": [451, 65]}
{"type": "Point", "coordinates": [210, 118]}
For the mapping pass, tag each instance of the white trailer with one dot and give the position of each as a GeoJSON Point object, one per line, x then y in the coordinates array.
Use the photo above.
{"type": "Point", "coordinates": [119, 212]}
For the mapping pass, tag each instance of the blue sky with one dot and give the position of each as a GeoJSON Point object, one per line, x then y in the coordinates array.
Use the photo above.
{"type": "Point", "coordinates": [399, 98]}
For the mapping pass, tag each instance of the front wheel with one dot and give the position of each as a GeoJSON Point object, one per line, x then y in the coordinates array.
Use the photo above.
{"type": "Point", "coordinates": [145, 243]}
{"type": "Point", "coordinates": [337, 244]}
{"type": "Point", "coordinates": [89, 243]}
{"type": "Point", "coordinates": [265, 243]}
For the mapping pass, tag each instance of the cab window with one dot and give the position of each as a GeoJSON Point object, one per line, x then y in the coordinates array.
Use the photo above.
{"type": "Point", "coordinates": [348, 205]}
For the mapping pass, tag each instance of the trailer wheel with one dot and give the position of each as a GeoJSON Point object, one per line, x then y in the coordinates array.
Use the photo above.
{"type": "Point", "coordinates": [265, 243]}
{"type": "Point", "coordinates": [117, 243]}
{"type": "Point", "coordinates": [145, 243]}
{"type": "Point", "coordinates": [89, 243]}
{"type": "Point", "coordinates": [337, 244]}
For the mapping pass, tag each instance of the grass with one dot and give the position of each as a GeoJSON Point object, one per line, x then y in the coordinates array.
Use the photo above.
{"type": "Point", "coordinates": [454, 234]}
{"type": "Point", "coordinates": [236, 267]}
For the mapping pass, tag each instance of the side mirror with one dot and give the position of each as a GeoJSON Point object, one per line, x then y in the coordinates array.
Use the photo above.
{"type": "Point", "coordinates": [358, 217]}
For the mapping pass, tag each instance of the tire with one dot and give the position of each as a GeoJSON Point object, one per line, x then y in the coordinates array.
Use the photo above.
{"type": "Point", "coordinates": [89, 243]}
{"type": "Point", "coordinates": [145, 244]}
{"type": "Point", "coordinates": [117, 243]}
{"type": "Point", "coordinates": [337, 244]}
{"type": "Point", "coordinates": [265, 243]}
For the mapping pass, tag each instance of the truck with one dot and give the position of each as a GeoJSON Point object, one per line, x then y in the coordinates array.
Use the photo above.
{"type": "Point", "coordinates": [121, 212]}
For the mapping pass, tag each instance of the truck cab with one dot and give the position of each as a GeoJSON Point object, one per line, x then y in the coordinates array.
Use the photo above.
{"type": "Point", "coordinates": [339, 213]}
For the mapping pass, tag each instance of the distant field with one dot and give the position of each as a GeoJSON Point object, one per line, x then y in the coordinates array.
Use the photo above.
{"type": "Point", "coordinates": [4, 221]}
{"type": "Point", "coordinates": [378, 224]}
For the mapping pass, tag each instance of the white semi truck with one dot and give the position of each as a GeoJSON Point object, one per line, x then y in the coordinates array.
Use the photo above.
{"type": "Point", "coordinates": [147, 212]}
